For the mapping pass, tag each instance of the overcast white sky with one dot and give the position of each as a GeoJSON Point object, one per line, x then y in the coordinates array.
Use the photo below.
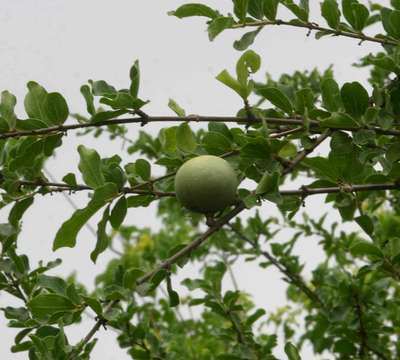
{"type": "Point", "coordinates": [61, 44]}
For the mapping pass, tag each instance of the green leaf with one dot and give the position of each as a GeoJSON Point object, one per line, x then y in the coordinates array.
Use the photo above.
{"type": "Point", "coordinates": [331, 95]}
{"type": "Point", "coordinates": [395, 4]}
{"type": "Point", "coordinates": [364, 248]}
{"type": "Point", "coordinates": [365, 223]}
{"type": "Point", "coordinates": [394, 246]}
{"type": "Point", "coordinates": [101, 88]}
{"type": "Point", "coordinates": [23, 346]}
{"type": "Point", "coordinates": [256, 8]}
{"type": "Point", "coordinates": [34, 101]}
{"type": "Point", "coordinates": [139, 200]}
{"type": "Point", "coordinates": [107, 115]}
{"type": "Point", "coordinates": [45, 305]}
{"type": "Point", "coordinates": [269, 183]}
{"type": "Point", "coordinates": [232, 83]}
{"type": "Point", "coordinates": [218, 25]}
{"type": "Point", "coordinates": [246, 40]}
{"type": "Point", "coordinates": [292, 352]}
{"type": "Point", "coordinates": [173, 298]}
{"type": "Point", "coordinates": [258, 148]}
{"type": "Point", "coordinates": [118, 213]}
{"type": "Point", "coordinates": [90, 167]}
{"type": "Point", "coordinates": [185, 139]}
{"type": "Point", "coordinates": [30, 124]}
{"type": "Point", "coordinates": [130, 278]}
{"type": "Point", "coordinates": [55, 108]}
{"type": "Point", "coordinates": [271, 9]}
{"type": "Point", "coordinates": [18, 210]}
{"type": "Point", "coordinates": [134, 75]}
{"type": "Point", "coordinates": [70, 179]}
{"type": "Point", "coordinates": [4, 127]}
{"type": "Point", "coordinates": [255, 316]}
{"type": "Point", "coordinates": [330, 11]}
{"type": "Point", "coordinates": [173, 105]}
{"type": "Point", "coordinates": [348, 10]}
{"type": "Point", "coordinates": [52, 283]}
{"type": "Point", "coordinates": [355, 99]}
{"type": "Point", "coordinates": [216, 143]}
{"type": "Point", "coordinates": [194, 9]}
{"type": "Point", "coordinates": [143, 169]}
{"type": "Point", "coordinates": [322, 167]}
{"type": "Point", "coordinates": [167, 137]}
{"type": "Point", "coordinates": [393, 152]}
{"type": "Point", "coordinates": [247, 64]}
{"type": "Point", "coordinates": [240, 9]}
{"type": "Point", "coordinates": [340, 121]}
{"type": "Point", "coordinates": [220, 127]}
{"type": "Point", "coordinates": [7, 105]}
{"type": "Point", "coordinates": [361, 15]}
{"type": "Point", "coordinates": [123, 100]}
{"type": "Point", "coordinates": [103, 239]}
{"type": "Point", "coordinates": [301, 11]}
{"type": "Point", "coordinates": [66, 235]}
{"type": "Point", "coordinates": [94, 304]}
{"type": "Point", "coordinates": [277, 98]}
{"type": "Point", "coordinates": [391, 22]}
{"type": "Point", "coordinates": [305, 99]}
{"type": "Point", "coordinates": [89, 99]}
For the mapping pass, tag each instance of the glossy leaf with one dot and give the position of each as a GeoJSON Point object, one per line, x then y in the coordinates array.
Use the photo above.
{"type": "Point", "coordinates": [55, 108]}
{"type": "Point", "coordinates": [118, 213]}
{"type": "Point", "coordinates": [185, 139]}
{"type": "Point", "coordinates": [45, 305]}
{"type": "Point", "coordinates": [67, 234]}
{"type": "Point", "coordinates": [7, 105]}
{"type": "Point", "coordinates": [330, 11]}
{"type": "Point", "coordinates": [103, 239]}
{"type": "Point", "coordinates": [194, 9]}
{"type": "Point", "coordinates": [355, 99]}
{"type": "Point", "coordinates": [90, 167]}
{"type": "Point", "coordinates": [277, 98]}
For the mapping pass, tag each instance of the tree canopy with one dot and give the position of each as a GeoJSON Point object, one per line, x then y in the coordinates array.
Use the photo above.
{"type": "Point", "coordinates": [348, 308]}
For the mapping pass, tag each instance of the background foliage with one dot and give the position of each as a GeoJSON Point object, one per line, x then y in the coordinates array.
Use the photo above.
{"type": "Point", "coordinates": [347, 310]}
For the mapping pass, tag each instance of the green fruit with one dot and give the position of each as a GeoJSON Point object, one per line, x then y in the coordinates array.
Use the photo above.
{"type": "Point", "coordinates": [206, 184]}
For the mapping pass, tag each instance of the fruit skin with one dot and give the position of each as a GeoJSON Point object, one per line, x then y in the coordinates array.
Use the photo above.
{"type": "Point", "coordinates": [206, 184]}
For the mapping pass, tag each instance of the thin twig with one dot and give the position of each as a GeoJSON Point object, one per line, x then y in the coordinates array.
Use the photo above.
{"type": "Point", "coordinates": [188, 249]}
{"type": "Point", "coordinates": [316, 27]}
{"type": "Point", "coordinates": [301, 155]}
{"type": "Point", "coordinates": [230, 272]}
{"type": "Point", "coordinates": [101, 321]}
{"type": "Point", "coordinates": [295, 279]}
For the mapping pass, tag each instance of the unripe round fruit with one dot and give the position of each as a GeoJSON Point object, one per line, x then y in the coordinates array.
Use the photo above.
{"type": "Point", "coordinates": [206, 184]}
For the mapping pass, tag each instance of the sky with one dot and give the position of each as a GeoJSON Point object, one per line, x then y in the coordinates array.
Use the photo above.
{"type": "Point", "coordinates": [61, 44]}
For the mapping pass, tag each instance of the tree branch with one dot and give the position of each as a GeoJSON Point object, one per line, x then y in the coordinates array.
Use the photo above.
{"type": "Point", "coordinates": [101, 321]}
{"type": "Point", "coordinates": [315, 125]}
{"type": "Point", "coordinates": [304, 191]}
{"type": "Point", "coordinates": [361, 327]}
{"type": "Point", "coordinates": [295, 279]}
{"type": "Point", "coordinates": [301, 155]}
{"type": "Point", "coordinates": [316, 27]}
